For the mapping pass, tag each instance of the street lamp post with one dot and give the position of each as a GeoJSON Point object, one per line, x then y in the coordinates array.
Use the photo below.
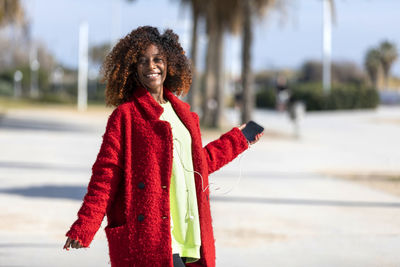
{"type": "Point", "coordinates": [327, 44]}
{"type": "Point", "coordinates": [34, 66]}
{"type": "Point", "coordinates": [115, 21]}
{"type": "Point", "coordinates": [83, 66]}
{"type": "Point", "coordinates": [17, 83]}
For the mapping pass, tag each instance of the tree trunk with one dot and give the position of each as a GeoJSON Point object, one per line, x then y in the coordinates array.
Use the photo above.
{"type": "Point", "coordinates": [386, 77]}
{"type": "Point", "coordinates": [218, 67]}
{"type": "Point", "coordinates": [374, 79]}
{"type": "Point", "coordinates": [247, 90]}
{"type": "Point", "coordinates": [209, 79]}
{"type": "Point", "coordinates": [193, 55]}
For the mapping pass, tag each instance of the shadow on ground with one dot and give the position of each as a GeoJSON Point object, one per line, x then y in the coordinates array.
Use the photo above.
{"type": "Point", "coordinates": [78, 192]}
{"type": "Point", "coordinates": [39, 125]}
{"type": "Point", "coordinates": [48, 191]}
{"type": "Point", "coordinates": [28, 245]}
{"type": "Point", "coordinates": [40, 166]}
{"type": "Point", "coordinates": [310, 202]}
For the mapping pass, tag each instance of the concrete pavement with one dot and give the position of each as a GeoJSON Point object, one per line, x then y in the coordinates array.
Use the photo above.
{"type": "Point", "coordinates": [284, 206]}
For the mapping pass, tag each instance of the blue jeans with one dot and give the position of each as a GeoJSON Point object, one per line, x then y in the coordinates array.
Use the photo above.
{"type": "Point", "coordinates": [178, 261]}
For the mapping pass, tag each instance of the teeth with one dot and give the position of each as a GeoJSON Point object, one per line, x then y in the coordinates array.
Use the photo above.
{"type": "Point", "coordinates": [152, 75]}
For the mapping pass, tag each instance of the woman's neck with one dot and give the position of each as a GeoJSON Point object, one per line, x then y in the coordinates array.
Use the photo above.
{"type": "Point", "coordinates": [158, 96]}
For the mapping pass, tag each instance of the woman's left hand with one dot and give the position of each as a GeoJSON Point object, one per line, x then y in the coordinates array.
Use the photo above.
{"type": "Point", "coordinates": [72, 243]}
{"type": "Point", "coordinates": [258, 136]}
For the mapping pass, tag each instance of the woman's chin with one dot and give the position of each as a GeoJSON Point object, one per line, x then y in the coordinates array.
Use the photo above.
{"type": "Point", "coordinates": [153, 87]}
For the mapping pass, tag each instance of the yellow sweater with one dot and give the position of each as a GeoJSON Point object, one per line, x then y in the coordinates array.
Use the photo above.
{"type": "Point", "coordinates": [185, 224]}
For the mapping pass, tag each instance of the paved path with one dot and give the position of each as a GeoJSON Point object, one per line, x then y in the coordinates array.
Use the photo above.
{"type": "Point", "coordinates": [287, 209]}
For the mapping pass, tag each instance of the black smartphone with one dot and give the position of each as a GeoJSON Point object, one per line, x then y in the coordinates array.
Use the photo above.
{"type": "Point", "coordinates": [251, 130]}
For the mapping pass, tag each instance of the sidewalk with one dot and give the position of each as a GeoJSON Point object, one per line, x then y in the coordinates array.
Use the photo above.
{"type": "Point", "coordinates": [288, 209]}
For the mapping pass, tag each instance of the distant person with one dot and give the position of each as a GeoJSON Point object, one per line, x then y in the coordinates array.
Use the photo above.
{"type": "Point", "coordinates": [286, 101]}
{"type": "Point", "coordinates": [238, 98]}
{"type": "Point", "coordinates": [282, 93]}
{"type": "Point", "coordinates": [296, 110]}
{"type": "Point", "coordinates": [151, 175]}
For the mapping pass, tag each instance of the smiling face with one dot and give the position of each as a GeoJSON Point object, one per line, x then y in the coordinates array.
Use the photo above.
{"type": "Point", "coordinates": [152, 69]}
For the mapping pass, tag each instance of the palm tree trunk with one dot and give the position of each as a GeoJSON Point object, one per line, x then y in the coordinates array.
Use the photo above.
{"type": "Point", "coordinates": [193, 55]}
{"type": "Point", "coordinates": [374, 79]}
{"type": "Point", "coordinates": [209, 79]}
{"type": "Point", "coordinates": [247, 93]}
{"type": "Point", "coordinates": [218, 67]}
{"type": "Point", "coordinates": [386, 81]}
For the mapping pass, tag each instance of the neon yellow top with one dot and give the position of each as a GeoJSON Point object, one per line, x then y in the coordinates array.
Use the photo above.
{"type": "Point", "coordinates": [185, 224]}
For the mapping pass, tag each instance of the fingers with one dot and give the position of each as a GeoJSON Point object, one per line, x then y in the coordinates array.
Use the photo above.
{"type": "Point", "coordinates": [76, 244]}
{"type": "Point", "coordinates": [67, 243]}
{"type": "Point", "coordinates": [72, 243]}
{"type": "Point", "coordinates": [258, 136]}
{"type": "Point", "coordinates": [242, 126]}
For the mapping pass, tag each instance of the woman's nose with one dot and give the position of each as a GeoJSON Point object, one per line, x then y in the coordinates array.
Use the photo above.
{"type": "Point", "coordinates": [152, 64]}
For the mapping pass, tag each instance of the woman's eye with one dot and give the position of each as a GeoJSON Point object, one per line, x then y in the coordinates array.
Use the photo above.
{"type": "Point", "coordinates": [158, 59]}
{"type": "Point", "coordinates": [142, 60]}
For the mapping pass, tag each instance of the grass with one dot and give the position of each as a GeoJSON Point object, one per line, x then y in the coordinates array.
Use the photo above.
{"type": "Point", "coordinates": [7, 103]}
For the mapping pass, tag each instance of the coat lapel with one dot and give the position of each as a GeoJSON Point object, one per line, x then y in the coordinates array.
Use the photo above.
{"type": "Point", "coordinates": [152, 110]}
{"type": "Point", "coordinates": [189, 119]}
{"type": "Point", "coordinates": [182, 109]}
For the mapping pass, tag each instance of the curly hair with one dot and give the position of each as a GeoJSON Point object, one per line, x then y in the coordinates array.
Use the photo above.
{"type": "Point", "coordinates": [120, 66]}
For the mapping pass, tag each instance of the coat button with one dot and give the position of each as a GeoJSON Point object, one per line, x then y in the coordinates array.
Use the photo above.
{"type": "Point", "coordinates": [141, 185]}
{"type": "Point", "coordinates": [165, 217]}
{"type": "Point", "coordinates": [140, 217]}
{"type": "Point", "coordinates": [164, 187]}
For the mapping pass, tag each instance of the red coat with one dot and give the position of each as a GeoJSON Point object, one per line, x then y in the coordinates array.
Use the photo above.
{"type": "Point", "coordinates": [131, 179]}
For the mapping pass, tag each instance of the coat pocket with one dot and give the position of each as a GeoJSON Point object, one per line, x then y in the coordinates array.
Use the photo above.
{"type": "Point", "coordinates": [118, 245]}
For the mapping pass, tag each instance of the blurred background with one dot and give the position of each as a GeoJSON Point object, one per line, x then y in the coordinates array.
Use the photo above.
{"type": "Point", "coordinates": [321, 188]}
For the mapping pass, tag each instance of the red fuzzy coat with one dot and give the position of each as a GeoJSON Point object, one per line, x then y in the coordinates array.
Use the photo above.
{"type": "Point", "coordinates": [131, 179]}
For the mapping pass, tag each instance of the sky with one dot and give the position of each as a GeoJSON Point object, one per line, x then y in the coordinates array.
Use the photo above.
{"type": "Point", "coordinates": [280, 41]}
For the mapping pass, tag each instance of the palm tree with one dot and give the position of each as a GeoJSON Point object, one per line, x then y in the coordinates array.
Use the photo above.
{"type": "Point", "coordinates": [11, 11]}
{"type": "Point", "coordinates": [212, 91]}
{"type": "Point", "coordinates": [197, 9]}
{"type": "Point", "coordinates": [249, 9]}
{"type": "Point", "coordinates": [221, 17]}
{"type": "Point", "coordinates": [373, 65]}
{"type": "Point", "coordinates": [226, 16]}
{"type": "Point", "coordinates": [389, 54]}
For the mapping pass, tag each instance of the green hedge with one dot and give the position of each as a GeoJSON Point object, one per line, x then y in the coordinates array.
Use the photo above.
{"type": "Point", "coordinates": [6, 88]}
{"type": "Point", "coordinates": [346, 96]}
{"type": "Point", "coordinates": [266, 98]}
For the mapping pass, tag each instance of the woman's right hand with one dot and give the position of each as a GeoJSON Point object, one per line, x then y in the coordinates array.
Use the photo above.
{"type": "Point", "coordinates": [72, 243]}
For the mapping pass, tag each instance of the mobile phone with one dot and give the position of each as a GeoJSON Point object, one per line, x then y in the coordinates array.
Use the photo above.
{"type": "Point", "coordinates": [251, 130]}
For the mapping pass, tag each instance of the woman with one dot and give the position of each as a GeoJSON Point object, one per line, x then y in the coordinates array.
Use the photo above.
{"type": "Point", "coordinates": [151, 174]}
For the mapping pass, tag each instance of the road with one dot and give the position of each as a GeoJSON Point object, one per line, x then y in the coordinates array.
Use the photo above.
{"type": "Point", "coordinates": [279, 204]}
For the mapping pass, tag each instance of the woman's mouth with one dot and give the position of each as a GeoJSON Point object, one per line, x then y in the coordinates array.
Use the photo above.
{"type": "Point", "coordinates": [152, 75]}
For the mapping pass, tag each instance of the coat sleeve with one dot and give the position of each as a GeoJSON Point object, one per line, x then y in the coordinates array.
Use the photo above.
{"type": "Point", "coordinates": [106, 175]}
{"type": "Point", "coordinates": [223, 150]}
